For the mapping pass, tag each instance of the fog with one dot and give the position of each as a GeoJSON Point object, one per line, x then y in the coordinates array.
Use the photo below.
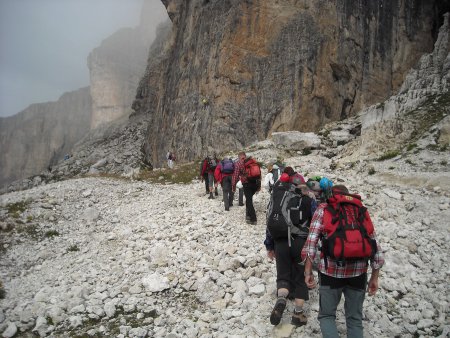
{"type": "Point", "coordinates": [44, 44]}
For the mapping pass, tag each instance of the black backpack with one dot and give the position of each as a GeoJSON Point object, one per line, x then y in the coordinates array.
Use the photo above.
{"type": "Point", "coordinates": [288, 212]}
{"type": "Point", "coordinates": [212, 163]}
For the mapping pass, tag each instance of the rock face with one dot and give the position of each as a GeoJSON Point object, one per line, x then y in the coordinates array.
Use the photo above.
{"type": "Point", "coordinates": [116, 68]}
{"type": "Point", "coordinates": [40, 135]}
{"type": "Point", "coordinates": [267, 66]}
{"type": "Point", "coordinates": [422, 101]}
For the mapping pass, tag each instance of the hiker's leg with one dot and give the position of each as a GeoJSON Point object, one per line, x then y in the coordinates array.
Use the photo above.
{"type": "Point", "coordinates": [241, 196]}
{"type": "Point", "coordinates": [298, 270]}
{"type": "Point", "coordinates": [205, 177]}
{"type": "Point", "coordinates": [231, 197]}
{"type": "Point", "coordinates": [211, 182]}
{"type": "Point", "coordinates": [328, 301]}
{"type": "Point", "coordinates": [354, 298]}
{"type": "Point", "coordinates": [226, 188]}
{"type": "Point", "coordinates": [248, 192]}
{"type": "Point", "coordinates": [283, 264]}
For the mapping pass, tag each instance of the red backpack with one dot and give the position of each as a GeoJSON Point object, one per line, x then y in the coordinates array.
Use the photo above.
{"type": "Point", "coordinates": [348, 229]}
{"type": "Point", "coordinates": [252, 169]}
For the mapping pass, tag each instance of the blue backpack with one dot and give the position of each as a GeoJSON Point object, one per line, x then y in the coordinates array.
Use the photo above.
{"type": "Point", "coordinates": [227, 166]}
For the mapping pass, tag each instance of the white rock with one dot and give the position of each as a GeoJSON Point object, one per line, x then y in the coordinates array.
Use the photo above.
{"type": "Point", "coordinates": [258, 290]}
{"type": "Point", "coordinates": [392, 194]}
{"type": "Point", "coordinates": [110, 309]}
{"type": "Point", "coordinates": [75, 321]}
{"type": "Point", "coordinates": [155, 282]}
{"type": "Point", "coordinates": [41, 326]}
{"type": "Point", "coordinates": [10, 331]}
{"type": "Point", "coordinates": [424, 323]}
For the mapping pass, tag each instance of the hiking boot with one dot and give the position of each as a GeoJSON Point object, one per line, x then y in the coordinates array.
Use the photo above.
{"type": "Point", "coordinates": [227, 209]}
{"type": "Point", "coordinates": [241, 204]}
{"type": "Point", "coordinates": [299, 318]}
{"type": "Point", "coordinates": [247, 218]}
{"type": "Point", "coordinates": [251, 222]}
{"type": "Point", "coordinates": [211, 196]}
{"type": "Point", "coordinates": [277, 312]}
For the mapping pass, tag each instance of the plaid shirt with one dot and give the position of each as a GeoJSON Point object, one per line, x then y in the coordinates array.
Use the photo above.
{"type": "Point", "coordinates": [238, 170]}
{"type": "Point", "coordinates": [350, 269]}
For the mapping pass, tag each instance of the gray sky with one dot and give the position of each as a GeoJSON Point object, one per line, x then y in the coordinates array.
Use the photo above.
{"type": "Point", "coordinates": [44, 45]}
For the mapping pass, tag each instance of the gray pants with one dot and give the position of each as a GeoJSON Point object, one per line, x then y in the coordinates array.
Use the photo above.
{"type": "Point", "coordinates": [329, 299]}
{"type": "Point", "coordinates": [227, 192]}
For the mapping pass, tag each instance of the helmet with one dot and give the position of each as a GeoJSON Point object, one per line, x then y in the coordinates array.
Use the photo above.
{"type": "Point", "coordinates": [297, 179]}
{"type": "Point", "coordinates": [313, 185]}
{"type": "Point", "coordinates": [325, 184]}
{"type": "Point", "coordinates": [284, 177]}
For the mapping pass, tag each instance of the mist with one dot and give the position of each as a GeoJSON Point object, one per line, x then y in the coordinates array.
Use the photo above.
{"type": "Point", "coordinates": [44, 44]}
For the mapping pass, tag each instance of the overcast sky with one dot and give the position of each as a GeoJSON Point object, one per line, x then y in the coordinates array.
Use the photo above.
{"type": "Point", "coordinates": [44, 45]}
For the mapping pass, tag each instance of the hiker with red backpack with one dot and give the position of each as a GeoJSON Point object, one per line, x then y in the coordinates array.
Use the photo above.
{"type": "Point", "coordinates": [289, 215]}
{"type": "Point", "coordinates": [223, 175]}
{"type": "Point", "coordinates": [348, 244]}
{"type": "Point", "coordinates": [249, 172]}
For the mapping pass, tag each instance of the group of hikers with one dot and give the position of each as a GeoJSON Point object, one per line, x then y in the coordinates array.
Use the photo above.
{"type": "Point", "coordinates": [309, 224]}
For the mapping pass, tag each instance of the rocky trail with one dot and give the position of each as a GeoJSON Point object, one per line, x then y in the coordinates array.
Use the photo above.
{"type": "Point", "coordinates": [96, 257]}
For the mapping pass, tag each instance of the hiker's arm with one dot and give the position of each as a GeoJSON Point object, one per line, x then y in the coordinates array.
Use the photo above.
{"type": "Point", "coordinates": [372, 286]}
{"type": "Point", "coordinates": [309, 276]}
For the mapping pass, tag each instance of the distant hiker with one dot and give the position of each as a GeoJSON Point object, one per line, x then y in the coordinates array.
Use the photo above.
{"type": "Point", "coordinates": [223, 175]}
{"type": "Point", "coordinates": [209, 165]}
{"type": "Point", "coordinates": [289, 215]}
{"type": "Point", "coordinates": [204, 174]}
{"type": "Point", "coordinates": [66, 157]}
{"type": "Point", "coordinates": [348, 243]}
{"type": "Point", "coordinates": [249, 172]}
{"type": "Point", "coordinates": [170, 159]}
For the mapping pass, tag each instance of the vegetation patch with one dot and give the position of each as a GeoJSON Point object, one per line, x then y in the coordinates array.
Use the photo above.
{"type": "Point", "coordinates": [181, 174]}
{"type": "Point", "coordinates": [389, 155]}
{"type": "Point", "coordinates": [30, 230]}
{"type": "Point", "coordinates": [73, 248]}
{"type": "Point", "coordinates": [433, 110]}
{"type": "Point", "coordinates": [51, 233]}
{"type": "Point", "coordinates": [411, 146]}
{"type": "Point", "coordinates": [16, 209]}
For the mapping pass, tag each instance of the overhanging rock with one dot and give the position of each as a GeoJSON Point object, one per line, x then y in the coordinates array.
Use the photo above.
{"type": "Point", "coordinates": [296, 140]}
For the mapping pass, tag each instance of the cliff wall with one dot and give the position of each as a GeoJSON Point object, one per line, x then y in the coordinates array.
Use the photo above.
{"type": "Point", "coordinates": [267, 66]}
{"type": "Point", "coordinates": [40, 135]}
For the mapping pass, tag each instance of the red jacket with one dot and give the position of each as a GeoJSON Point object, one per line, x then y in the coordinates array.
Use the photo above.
{"type": "Point", "coordinates": [205, 168]}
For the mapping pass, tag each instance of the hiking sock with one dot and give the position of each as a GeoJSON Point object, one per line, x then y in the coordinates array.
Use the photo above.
{"type": "Point", "coordinates": [298, 309]}
{"type": "Point", "coordinates": [282, 293]}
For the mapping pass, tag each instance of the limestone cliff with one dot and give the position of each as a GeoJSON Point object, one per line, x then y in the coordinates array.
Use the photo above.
{"type": "Point", "coordinates": [116, 68]}
{"type": "Point", "coordinates": [41, 134]}
{"type": "Point", "coordinates": [269, 66]}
